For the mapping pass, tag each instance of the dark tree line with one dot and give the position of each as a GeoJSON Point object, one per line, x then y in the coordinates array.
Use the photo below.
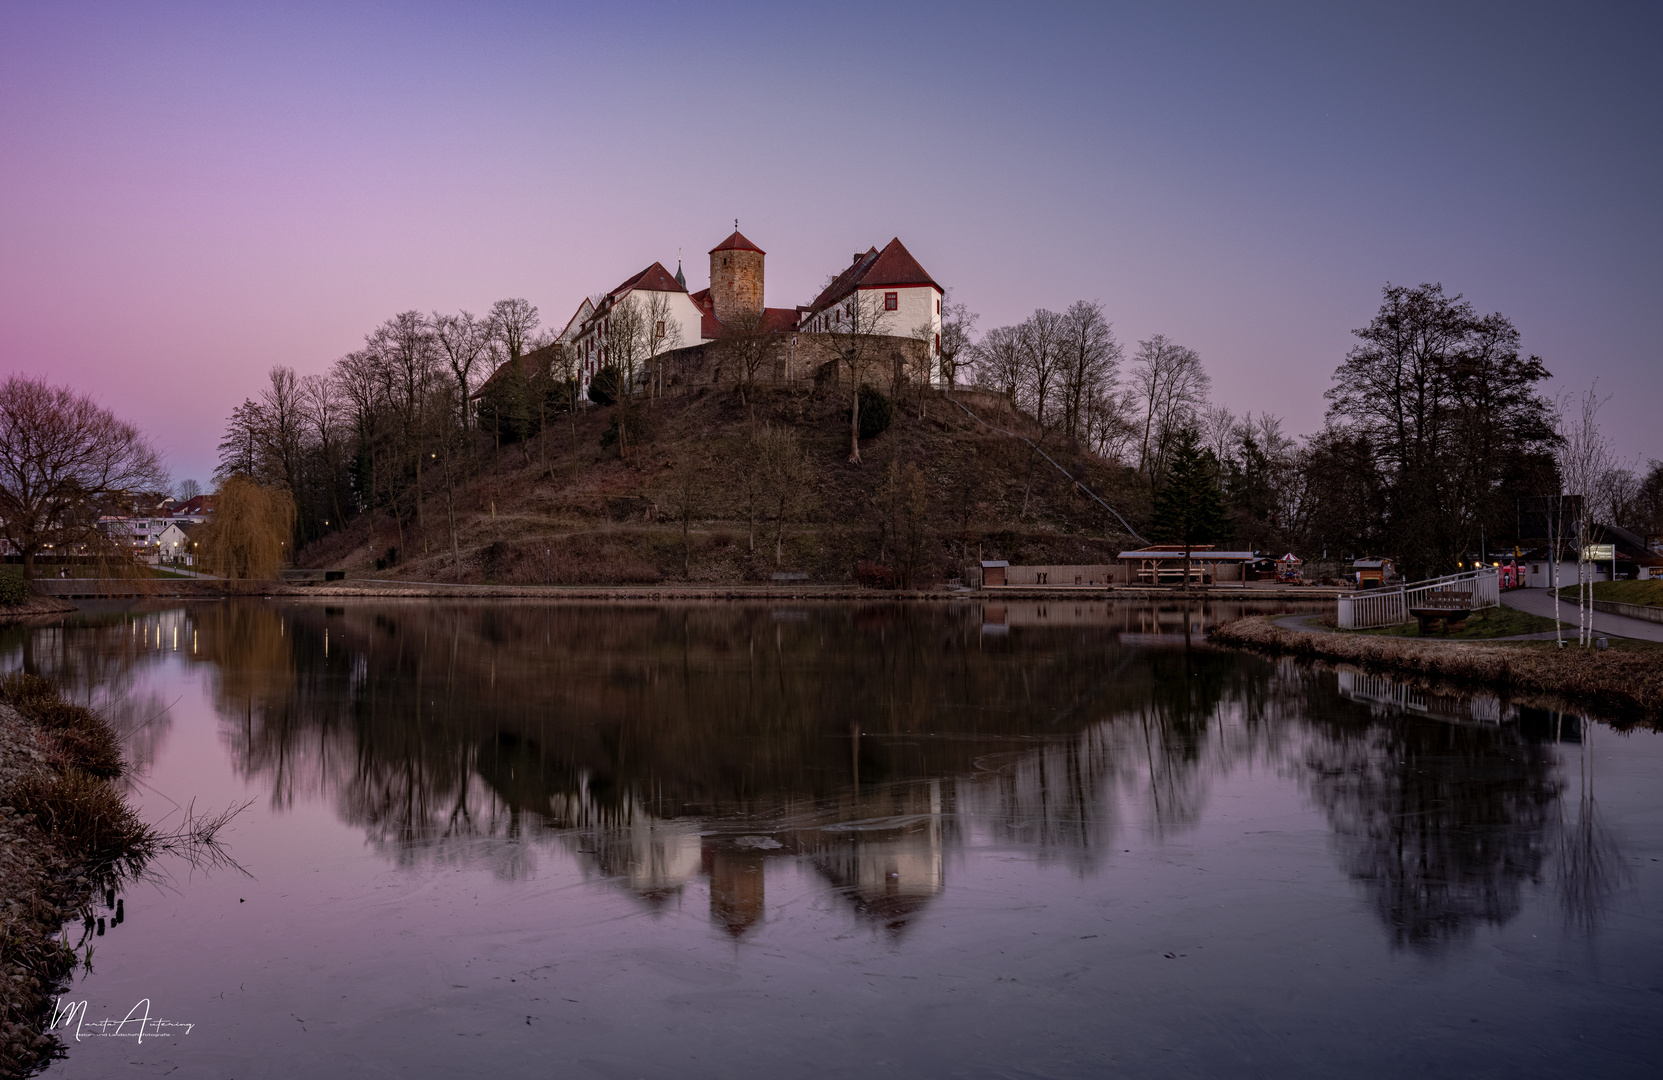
{"type": "Point", "coordinates": [370, 435]}
{"type": "Point", "coordinates": [1436, 428]}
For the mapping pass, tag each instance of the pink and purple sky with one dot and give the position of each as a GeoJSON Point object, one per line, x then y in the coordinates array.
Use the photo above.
{"type": "Point", "coordinates": [190, 193]}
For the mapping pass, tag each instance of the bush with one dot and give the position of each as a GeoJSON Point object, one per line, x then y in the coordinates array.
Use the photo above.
{"type": "Point", "coordinates": [876, 412]}
{"type": "Point", "coordinates": [82, 737]}
{"type": "Point", "coordinates": [14, 587]}
{"type": "Point", "coordinates": [84, 815]}
{"type": "Point", "coordinates": [634, 425]}
{"type": "Point", "coordinates": [874, 575]}
{"type": "Point", "coordinates": [506, 405]}
{"type": "Point", "coordinates": [606, 386]}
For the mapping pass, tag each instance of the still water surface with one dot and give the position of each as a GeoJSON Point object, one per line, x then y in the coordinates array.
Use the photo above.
{"type": "Point", "coordinates": [753, 841]}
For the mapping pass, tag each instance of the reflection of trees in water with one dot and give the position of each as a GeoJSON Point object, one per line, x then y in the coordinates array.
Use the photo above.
{"type": "Point", "coordinates": [1444, 823]}
{"type": "Point", "coordinates": [1590, 865]}
{"type": "Point", "coordinates": [97, 659]}
{"type": "Point", "coordinates": [867, 740]}
{"type": "Point", "coordinates": [620, 727]}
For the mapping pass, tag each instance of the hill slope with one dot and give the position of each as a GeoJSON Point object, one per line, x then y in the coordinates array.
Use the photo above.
{"type": "Point", "coordinates": [563, 509]}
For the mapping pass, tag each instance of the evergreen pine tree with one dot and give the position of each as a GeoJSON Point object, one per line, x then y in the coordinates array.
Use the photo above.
{"type": "Point", "coordinates": [1189, 509]}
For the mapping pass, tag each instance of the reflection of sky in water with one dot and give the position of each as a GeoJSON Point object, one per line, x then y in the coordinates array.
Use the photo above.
{"type": "Point", "coordinates": [652, 838]}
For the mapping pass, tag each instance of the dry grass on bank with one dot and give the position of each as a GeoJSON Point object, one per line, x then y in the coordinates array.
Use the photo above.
{"type": "Point", "coordinates": [66, 834]}
{"type": "Point", "coordinates": [1624, 681]}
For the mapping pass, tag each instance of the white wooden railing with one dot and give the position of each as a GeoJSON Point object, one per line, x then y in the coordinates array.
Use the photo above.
{"type": "Point", "coordinates": [1389, 607]}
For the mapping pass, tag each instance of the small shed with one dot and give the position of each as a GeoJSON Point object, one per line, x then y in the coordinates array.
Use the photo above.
{"type": "Point", "coordinates": [1372, 573]}
{"type": "Point", "coordinates": [993, 571]}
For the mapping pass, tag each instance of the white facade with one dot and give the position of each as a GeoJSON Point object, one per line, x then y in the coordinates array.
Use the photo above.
{"type": "Point", "coordinates": [907, 311]}
{"type": "Point", "coordinates": [682, 327]}
{"type": "Point", "coordinates": [1538, 573]}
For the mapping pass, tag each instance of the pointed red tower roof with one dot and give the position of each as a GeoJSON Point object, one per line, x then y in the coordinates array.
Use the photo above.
{"type": "Point", "coordinates": [736, 242]}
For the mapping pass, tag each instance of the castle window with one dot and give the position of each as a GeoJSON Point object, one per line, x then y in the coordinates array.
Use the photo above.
{"type": "Point", "coordinates": [891, 301]}
{"type": "Point", "coordinates": [660, 331]}
{"type": "Point", "coordinates": [938, 344]}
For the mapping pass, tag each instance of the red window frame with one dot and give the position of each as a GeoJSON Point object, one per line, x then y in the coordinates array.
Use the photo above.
{"type": "Point", "coordinates": [892, 301]}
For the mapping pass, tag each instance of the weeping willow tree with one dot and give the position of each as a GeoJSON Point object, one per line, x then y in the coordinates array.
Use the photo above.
{"type": "Point", "coordinates": [247, 535]}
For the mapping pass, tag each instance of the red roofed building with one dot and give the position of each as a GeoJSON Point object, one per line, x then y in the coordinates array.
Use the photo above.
{"type": "Point", "coordinates": [904, 300]}
{"type": "Point", "coordinates": [887, 291]}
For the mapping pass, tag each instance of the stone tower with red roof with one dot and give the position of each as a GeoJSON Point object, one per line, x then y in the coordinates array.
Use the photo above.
{"type": "Point", "coordinates": [736, 278]}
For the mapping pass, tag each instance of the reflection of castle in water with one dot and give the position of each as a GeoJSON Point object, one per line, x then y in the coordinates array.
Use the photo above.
{"type": "Point", "coordinates": [883, 850]}
{"type": "Point", "coordinates": [661, 748]}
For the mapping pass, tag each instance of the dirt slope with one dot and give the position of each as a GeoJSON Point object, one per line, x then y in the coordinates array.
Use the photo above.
{"type": "Point", "coordinates": [562, 509]}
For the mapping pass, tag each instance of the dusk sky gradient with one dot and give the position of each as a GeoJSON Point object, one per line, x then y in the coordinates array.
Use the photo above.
{"type": "Point", "coordinates": [191, 193]}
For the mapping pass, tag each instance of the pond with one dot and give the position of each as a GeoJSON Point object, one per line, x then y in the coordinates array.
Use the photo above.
{"type": "Point", "coordinates": [1026, 839]}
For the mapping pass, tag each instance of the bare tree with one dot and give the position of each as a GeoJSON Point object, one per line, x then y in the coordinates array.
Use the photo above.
{"type": "Point", "coordinates": [747, 345]}
{"type": "Point", "coordinates": [324, 407]}
{"type": "Point", "coordinates": [958, 323]}
{"type": "Point", "coordinates": [627, 346]}
{"type": "Point", "coordinates": [280, 404]}
{"type": "Point", "coordinates": [998, 359]}
{"type": "Point", "coordinates": [1171, 387]}
{"type": "Point", "coordinates": [858, 328]}
{"type": "Point", "coordinates": [661, 331]}
{"type": "Point", "coordinates": [788, 478]}
{"type": "Point", "coordinates": [1219, 429]}
{"type": "Point", "coordinates": [1042, 362]}
{"type": "Point", "coordinates": [512, 324]}
{"type": "Point", "coordinates": [451, 443]}
{"type": "Point", "coordinates": [242, 447]}
{"type": "Point", "coordinates": [1586, 460]}
{"type": "Point", "coordinates": [1089, 358]}
{"type": "Point", "coordinates": [408, 353]}
{"type": "Point", "coordinates": [749, 477]}
{"type": "Point", "coordinates": [1111, 424]}
{"type": "Point", "coordinates": [62, 457]}
{"type": "Point", "coordinates": [363, 379]}
{"type": "Point", "coordinates": [685, 491]}
{"type": "Point", "coordinates": [466, 343]}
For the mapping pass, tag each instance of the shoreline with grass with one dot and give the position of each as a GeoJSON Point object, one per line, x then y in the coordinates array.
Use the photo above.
{"type": "Point", "coordinates": [66, 834]}
{"type": "Point", "coordinates": [68, 840]}
{"type": "Point", "coordinates": [1623, 681]}
{"type": "Point", "coordinates": [20, 601]}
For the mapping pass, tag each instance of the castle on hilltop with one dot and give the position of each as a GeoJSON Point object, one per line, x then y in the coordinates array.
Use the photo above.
{"type": "Point", "coordinates": [886, 294]}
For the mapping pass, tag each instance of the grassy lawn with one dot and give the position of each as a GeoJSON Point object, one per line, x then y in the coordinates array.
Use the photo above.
{"type": "Point", "coordinates": [1625, 645]}
{"type": "Point", "coordinates": [1489, 623]}
{"type": "Point", "coordinates": [1645, 593]}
